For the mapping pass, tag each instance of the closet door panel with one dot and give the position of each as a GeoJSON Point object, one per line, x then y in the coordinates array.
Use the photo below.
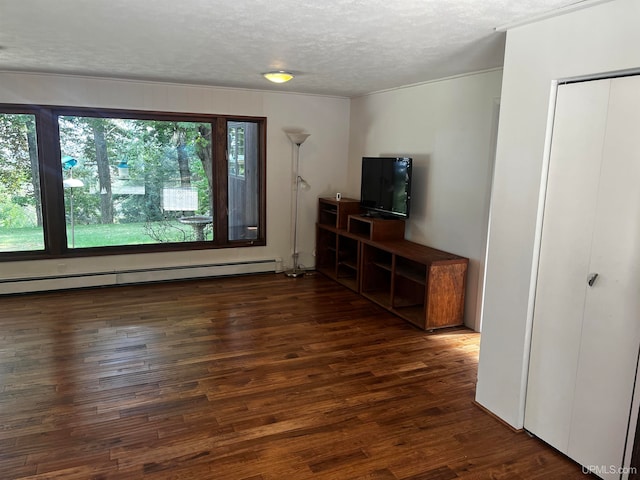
{"type": "Point", "coordinates": [574, 170]}
{"type": "Point", "coordinates": [611, 325]}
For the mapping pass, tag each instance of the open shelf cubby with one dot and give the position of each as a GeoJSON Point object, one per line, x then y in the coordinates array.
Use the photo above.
{"type": "Point", "coordinates": [335, 213]}
{"type": "Point", "coordinates": [373, 228]}
{"type": "Point", "coordinates": [348, 262]}
{"type": "Point", "coordinates": [411, 270]}
{"type": "Point", "coordinates": [326, 248]}
{"type": "Point", "coordinates": [376, 274]}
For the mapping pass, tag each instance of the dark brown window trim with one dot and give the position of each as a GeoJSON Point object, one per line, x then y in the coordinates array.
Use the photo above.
{"type": "Point", "coordinates": [53, 194]}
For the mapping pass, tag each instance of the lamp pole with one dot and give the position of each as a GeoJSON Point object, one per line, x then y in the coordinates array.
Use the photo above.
{"type": "Point", "coordinates": [297, 139]}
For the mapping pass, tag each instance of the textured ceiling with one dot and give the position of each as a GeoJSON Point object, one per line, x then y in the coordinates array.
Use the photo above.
{"type": "Point", "coordinates": [335, 47]}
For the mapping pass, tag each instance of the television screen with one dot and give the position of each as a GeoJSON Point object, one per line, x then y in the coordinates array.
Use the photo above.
{"type": "Point", "coordinates": [386, 186]}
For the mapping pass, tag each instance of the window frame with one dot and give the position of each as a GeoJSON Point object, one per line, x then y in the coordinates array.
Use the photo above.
{"type": "Point", "coordinates": [52, 191]}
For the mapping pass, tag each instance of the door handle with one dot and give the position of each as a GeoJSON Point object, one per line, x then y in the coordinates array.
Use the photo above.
{"type": "Point", "coordinates": [592, 279]}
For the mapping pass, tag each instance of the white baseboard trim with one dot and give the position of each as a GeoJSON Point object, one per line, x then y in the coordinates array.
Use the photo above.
{"type": "Point", "coordinates": [124, 277]}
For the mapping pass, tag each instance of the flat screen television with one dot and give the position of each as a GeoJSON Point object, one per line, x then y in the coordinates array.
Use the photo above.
{"type": "Point", "coordinates": [385, 190]}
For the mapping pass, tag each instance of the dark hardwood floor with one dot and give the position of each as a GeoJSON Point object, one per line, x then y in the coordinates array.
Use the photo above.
{"type": "Point", "coordinates": [255, 377]}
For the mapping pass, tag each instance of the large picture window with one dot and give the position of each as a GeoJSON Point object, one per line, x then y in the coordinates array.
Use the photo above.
{"type": "Point", "coordinates": [120, 182]}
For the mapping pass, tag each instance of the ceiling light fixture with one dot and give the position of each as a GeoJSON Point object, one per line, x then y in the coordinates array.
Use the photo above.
{"type": "Point", "coordinates": [279, 76]}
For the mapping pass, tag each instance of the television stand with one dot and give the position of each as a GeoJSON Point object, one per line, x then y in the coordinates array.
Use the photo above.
{"type": "Point", "coordinates": [369, 255]}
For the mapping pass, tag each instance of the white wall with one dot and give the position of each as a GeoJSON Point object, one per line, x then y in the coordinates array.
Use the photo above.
{"type": "Point", "coordinates": [323, 158]}
{"type": "Point", "coordinates": [599, 39]}
{"type": "Point", "coordinates": [446, 127]}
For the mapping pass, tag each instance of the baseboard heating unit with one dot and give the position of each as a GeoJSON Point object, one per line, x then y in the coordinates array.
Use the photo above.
{"type": "Point", "coordinates": [143, 275]}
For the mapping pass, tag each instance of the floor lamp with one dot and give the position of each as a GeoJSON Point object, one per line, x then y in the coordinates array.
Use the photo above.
{"type": "Point", "coordinates": [297, 139]}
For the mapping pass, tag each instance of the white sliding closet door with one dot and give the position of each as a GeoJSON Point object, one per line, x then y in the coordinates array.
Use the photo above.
{"type": "Point", "coordinates": [585, 338]}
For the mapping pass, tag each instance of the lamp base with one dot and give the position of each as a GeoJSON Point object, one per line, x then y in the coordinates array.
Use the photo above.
{"type": "Point", "coordinates": [294, 273]}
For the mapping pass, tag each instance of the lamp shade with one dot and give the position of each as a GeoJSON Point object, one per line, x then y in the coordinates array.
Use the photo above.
{"type": "Point", "coordinates": [298, 137]}
{"type": "Point", "coordinates": [278, 77]}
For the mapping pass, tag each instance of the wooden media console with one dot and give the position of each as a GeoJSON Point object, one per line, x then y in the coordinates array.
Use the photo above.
{"type": "Point", "coordinates": [369, 255]}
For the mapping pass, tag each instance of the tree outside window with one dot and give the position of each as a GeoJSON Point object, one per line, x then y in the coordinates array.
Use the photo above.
{"type": "Point", "coordinates": [21, 221]}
